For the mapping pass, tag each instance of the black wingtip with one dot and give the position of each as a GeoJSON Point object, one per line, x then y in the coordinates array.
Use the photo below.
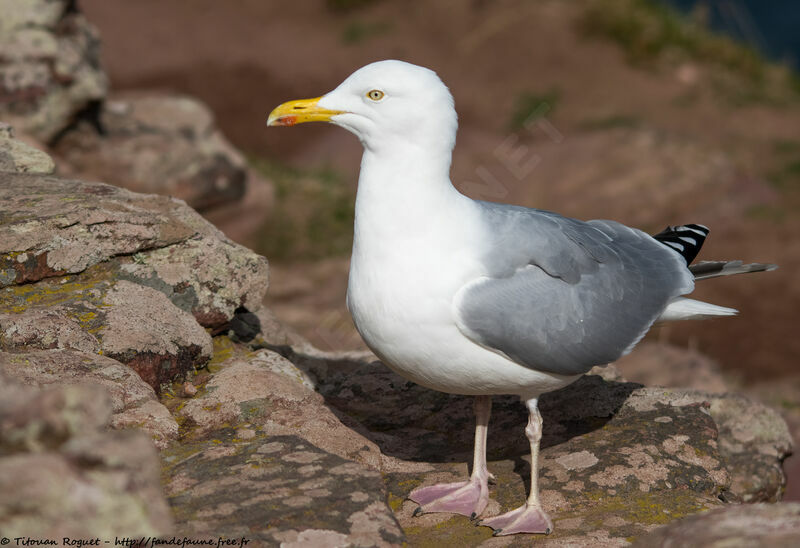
{"type": "Point", "coordinates": [684, 239]}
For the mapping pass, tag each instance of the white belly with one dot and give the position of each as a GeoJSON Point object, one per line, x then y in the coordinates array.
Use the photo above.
{"type": "Point", "coordinates": [403, 311]}
{"type": "Point", "coordinates": [417, 242]}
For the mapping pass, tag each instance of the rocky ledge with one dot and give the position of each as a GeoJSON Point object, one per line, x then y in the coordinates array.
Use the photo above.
{"type": "Point", "coordinates": [139, 365]}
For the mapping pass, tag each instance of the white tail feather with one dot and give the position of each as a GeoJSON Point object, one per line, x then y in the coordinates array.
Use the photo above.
{"type": "Point", "coordinates": [681, 308]}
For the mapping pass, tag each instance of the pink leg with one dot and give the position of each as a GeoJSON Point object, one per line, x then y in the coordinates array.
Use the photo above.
{"type": "Point", "coordinates": [529, 518]}
{"type": "Point", "coordinates": [468, 498]}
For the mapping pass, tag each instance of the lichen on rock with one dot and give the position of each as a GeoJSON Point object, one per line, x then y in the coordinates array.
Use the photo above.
{"type": "Point", "coordinates": [68, 475]}
{"type": "Point", "coordinates": [276, 489]}
{"type": "Point", "coordinates": [17, 156]}
{"type": "Point", "coordinates": [50, 68]}
{"type": "Point", "coordinates": [133, 402]}
{"type": "Point", "coordinates": [157, 143]}
{"type": "Point", "coordinates": [136, 277]}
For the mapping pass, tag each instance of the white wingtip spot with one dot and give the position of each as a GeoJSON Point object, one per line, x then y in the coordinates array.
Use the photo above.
{"type": "Point", "coordinates": [674, 245]}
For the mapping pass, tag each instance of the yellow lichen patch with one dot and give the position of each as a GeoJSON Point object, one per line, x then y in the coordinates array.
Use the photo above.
{"type": "Point", "coordinates": [641, 509]}
{"type": "Point", "coordinates": [456, 531]}
{"type": "Point", "coordinates": [394, 502]}
{"type": "Point", "coordinates": [224, 349]}
{"type": "Point", "coordinates": [88, 286]}
{"type": "Point", "coordinates": [85, 317]}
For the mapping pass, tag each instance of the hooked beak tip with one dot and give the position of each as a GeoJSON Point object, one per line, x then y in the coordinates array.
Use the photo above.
{"type": "Point", "coordinates": [300, 111]}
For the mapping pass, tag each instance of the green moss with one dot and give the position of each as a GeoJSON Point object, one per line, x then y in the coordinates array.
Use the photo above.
{"type": "Point", "coordinates": [346, 6]}
{"type": "Point", "coordinates": [252, 410]}
{"type": "Point", "coordinates": [787, 177]}
{"type": "Point", "coordinates": [395, 503]}
{"type": "Point", "coordinates": [786, 146]}
{"type": "Point", "coordinates": [80, 295]}
{"type": "Point", "coordinates": [650, 31]}
{"type": "Point", "coordinates": [223, 349]}
{"type": "Point", "coordinates": [456, 531]}
{"type": "Point", "coordinates": [656, 507]}
{"type": "Point", "coordinates": [775, 213]}
{"type": "Point", "coordinates": [357, 32]}
{"type": "Point", "coordinates": [313, 215]}
{"type": "Point", "coordinates": [611, 122]}
{"type": "Point", "coordinates": [532, 106]}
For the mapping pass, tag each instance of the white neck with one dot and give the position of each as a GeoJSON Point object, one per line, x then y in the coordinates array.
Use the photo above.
{"type": "Point", "coordinates": [402, 189]}
{"type": "Point", "coordinates": [412, 232]}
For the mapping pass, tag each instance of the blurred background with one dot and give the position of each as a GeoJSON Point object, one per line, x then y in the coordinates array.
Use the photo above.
{"type": "Point", "coordinates": [625, 109]}
{"type": "Point", "coordinates": [650, 113]}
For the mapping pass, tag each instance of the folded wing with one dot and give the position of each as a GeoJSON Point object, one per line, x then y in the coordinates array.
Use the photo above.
{"type": "Point", "coordinates": [563, 295]}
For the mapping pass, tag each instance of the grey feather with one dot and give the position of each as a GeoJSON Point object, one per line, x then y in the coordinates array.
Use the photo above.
{"type": "Point", "coordinates": [711, 269]}
{"type": "Point", "coordinates": [563, 295]}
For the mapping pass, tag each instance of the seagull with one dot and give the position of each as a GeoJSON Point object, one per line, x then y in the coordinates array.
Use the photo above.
{"type": "Point", "coordinates": [480, 298]}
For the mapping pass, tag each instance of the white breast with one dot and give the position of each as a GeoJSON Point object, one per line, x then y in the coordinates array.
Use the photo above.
{"type": "Point", "coordinates": [401, 299]}
{"type": "Point", "coordinates": [417, 242]}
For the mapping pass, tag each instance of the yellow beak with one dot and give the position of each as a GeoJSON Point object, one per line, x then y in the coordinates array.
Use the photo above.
{"type": "Point", "coordinates": [300, 111]}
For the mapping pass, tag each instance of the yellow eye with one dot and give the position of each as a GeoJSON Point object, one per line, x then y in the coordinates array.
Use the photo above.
{"type": "Point", "coordinates": [375, 94]}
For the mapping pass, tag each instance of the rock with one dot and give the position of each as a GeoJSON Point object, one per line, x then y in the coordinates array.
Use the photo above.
{"type": "Point", "coordinates": [208, 276]}
{"type": "Point", "coordinates": [51, 227]}
{"type": "Point", "coordinates": [275, 333]}
{"type": "Point", "coordinates": [45, 328]}
{"type": "Point", "coordinates": [657, 364]}
{"type": "Point", "coordinates": [157, 144]}
{"type": "Point", "coordinates": [783, 394]}
{"type": "Point", "coordinates": [50, 68]}
{"type": "Point", "coordinates": [69, 477]}
{"type": "Point", "coordinates": [618, 459]}
{"type": "Point", "coordinates": [266, 390]}
{"type": "Point", "coordinates": [33, 421]}
{"type": "Point", "coordinates": [732, 527]}
{"type": "Point", "coordinates": [189, 390]}
{"type": "Point", "coordinates": [19, 157]}
{"type": "Point", "coordinates": [276, 490]}
{"type": "Point", "coordinates": [133, 324]}
{"type": "Point", "coordinates": [753, 440]}
{"type": "Point", "coordinates": [99, 269]}
{"type": "Point", "coordinates": [144, 330]}
{"type": "Point", "coordinates": [133, 402]}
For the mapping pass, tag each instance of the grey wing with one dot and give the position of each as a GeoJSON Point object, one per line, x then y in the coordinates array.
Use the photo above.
{"type": "Point", "coordinates": [564, 295]}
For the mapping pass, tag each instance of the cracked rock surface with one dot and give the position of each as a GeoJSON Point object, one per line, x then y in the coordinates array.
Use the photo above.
{"type": "Point", "coordinates": [278, 490]}
{"type": "Point", "coordinates": [123, 313]}
{"type": "Point", "coordinates": [133, 401]}
{"type": "Point", "coordinates": [92, 267]}
{"type": "Point", "coordinates": [63, 474]}
{"type": "Point", "coordinates": [732, 527]}
{"type": "Point", "coordinates": [50, 68]}
{"type": "Point", "coordinates": [157, 143]}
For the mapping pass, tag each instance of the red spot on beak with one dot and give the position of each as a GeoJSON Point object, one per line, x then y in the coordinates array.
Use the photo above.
{"type": "Point", "coordinates": [286, 121]}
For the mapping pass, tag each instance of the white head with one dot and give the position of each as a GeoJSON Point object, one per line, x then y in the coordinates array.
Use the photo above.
{"type": "Point", "coordinates": [387, 103]}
